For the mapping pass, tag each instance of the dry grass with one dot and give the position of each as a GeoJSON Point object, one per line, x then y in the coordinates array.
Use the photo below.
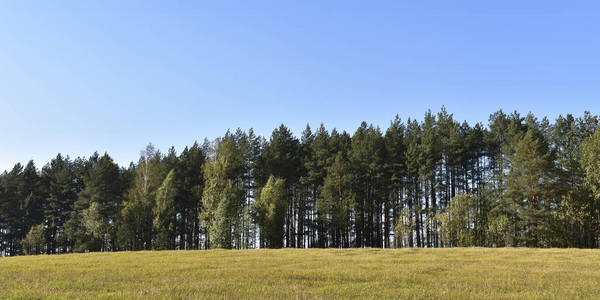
{"type": "Point", "coordinates": [302, 273]}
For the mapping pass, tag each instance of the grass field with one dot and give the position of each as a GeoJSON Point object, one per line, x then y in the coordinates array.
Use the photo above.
{"type": "Point", "coordinates": [301, 273]}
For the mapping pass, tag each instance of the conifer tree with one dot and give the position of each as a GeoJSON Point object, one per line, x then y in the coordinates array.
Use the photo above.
{"type": "Point", "coordinates": [396, 172]}
{"type": "Point", "coordinates": [188, 200]}
{"type": "Point", "coordinates": [338, 201]}
{"type": "Point", "coordinates": [529, 187]}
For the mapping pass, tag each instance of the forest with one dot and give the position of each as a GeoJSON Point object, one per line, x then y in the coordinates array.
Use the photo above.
{"type": "Point", "coordinates": [517, 181]}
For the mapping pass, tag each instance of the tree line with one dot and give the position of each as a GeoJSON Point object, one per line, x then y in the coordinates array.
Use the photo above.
{"type": "Point", "coordinates": [517, 181]}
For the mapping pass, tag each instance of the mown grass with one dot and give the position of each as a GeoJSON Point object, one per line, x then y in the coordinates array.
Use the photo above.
{"type": "Point", "coordinates": [302, 273]}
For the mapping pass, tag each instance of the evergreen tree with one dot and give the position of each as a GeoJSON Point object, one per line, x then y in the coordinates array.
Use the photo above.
{"type": "Point", "coordinates": [519, 181]}
{"type": "Point", "coordinates": [188, 200]}
{"type": "Point", "coordinates": [396, 172]}
{"type": "Point", "coordinates": [431, 156]}
{"type": "Point", "coordinates": [280, 157]}
{"type": "Point", "coordinates": [411, 216]}
{"type": "Point", "coordinates": [367, 158]}
{"type": "Point", "coordinates": [529, 190]}
{"type": "Point", "coordinates": [100, 203]}
{"type": "Point", "coordinates": [318, 147]}
{"type": "Point", "coordinates": [10, 211]}
{"type": "Point", "coordinates": [21, 205]}
{"type": "Point", "coordinates": [338, 201]}
{"type": "Point", "coordinates": [60, 184]}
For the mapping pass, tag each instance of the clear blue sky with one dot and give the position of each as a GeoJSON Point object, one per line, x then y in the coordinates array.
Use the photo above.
{"type": "Point", "coordinates": [80, 76]}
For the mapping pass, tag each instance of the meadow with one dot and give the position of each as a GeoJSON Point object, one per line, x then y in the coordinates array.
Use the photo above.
{"type": "Point", "coordinates": [306, 273]}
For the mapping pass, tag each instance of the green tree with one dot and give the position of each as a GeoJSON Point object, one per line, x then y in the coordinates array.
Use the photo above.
{"type": "Point", "coordinates": [316, 157]}
{"type": "Point", "coordinates": [573, 218]}
{"type": "Point", "coordinates": [367, 157]}
{"type": "Point", "coordinates": [396, 172]}
{"type": "Point", "coordinates": [431, 156]}
{"type": "Point", "coordinates": [529, 188]}
{"type": "Point", "coordinates": [164, 214]}
{"type": "Point", "coordinates": [590, 162]}
{"type": "Point", "coordinates": [189, 178]}
{"type": "Point", "coordinates": [281, 158]}
{"type": "Point", "coordinates": [35, 241]}
{"type": "Point", "coordinates": [223, 194]}
{"type": "Point", "coordinates": [11, 212]}
{"type": "Point", "coordinates": [21, 206]}
{"type": "Point", "coordinates": [136, 216]}
{"type": "Point", "coordinates": [458, 221]}
{"type": "Point", "coordinates": [338, 201]}
{"type": "Point", "coordinates": [270, 213]}
{"type": "Point", "coordinates": [61, 188]}
{"type": "Point", "coordinates": [413, 214]}
{"type": "Point", "coordinates": [92, 226]}
{"type": "Point", "coordinates": [497, 230]}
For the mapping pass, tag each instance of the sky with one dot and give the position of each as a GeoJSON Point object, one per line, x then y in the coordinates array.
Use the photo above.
{"type": "Point", "coordinates": [112, 76]}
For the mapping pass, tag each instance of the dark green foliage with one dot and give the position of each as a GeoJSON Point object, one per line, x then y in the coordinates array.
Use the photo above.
{"type": "Point", "coordinates": [519, 181]}
{"type": "Point", "coordinates": [62, 187]}
{"type": "Point", "coordinates": [367, 156]}
{"type": "Point", "coordinates": [93, 218]}
{"type": "Point", "coordinates": [188, 200]}
{"type": "Point", "coordinates": [337, 201]}
{"type": "Point", "coordinates": [21, 206]}
{"type": "Point", "coordinates": [529, 190]}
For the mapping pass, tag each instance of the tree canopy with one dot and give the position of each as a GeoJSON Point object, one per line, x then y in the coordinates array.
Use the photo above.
{"type": "Point", "coordinates": [517, 181]}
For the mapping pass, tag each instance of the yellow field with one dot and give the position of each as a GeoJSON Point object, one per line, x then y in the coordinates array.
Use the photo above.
{"type": "Point", "coordinates": [300, 273]}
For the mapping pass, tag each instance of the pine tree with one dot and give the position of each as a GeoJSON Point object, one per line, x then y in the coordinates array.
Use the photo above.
{"type": "Point", "coordinates": [317, 157]}
{"type": "Point", "coordinates": [306, 201]}
{"type": "Point", "coordinates": [436, 182]}
{"type": "Point", "coordinates": [10, 210]}
{"type": "Point", "coordinates": [281, 158]}
{"type": "Point", "coordinates": [61, 192]}
{"type": "Point", "coordinates": [338, 201]}
{"type": "Point", "coordinates": [529, 183]}
{"type": "Point", "coordinates": [431, 156]}
{"type": "Point", "coordinates": [188, 200]}
{"type": "Point", "coordinates": [396, 172]}
{"type": "Point", "coordinates": [22, 205]}
{"type": "Point", "coordinates": [412, 211]}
